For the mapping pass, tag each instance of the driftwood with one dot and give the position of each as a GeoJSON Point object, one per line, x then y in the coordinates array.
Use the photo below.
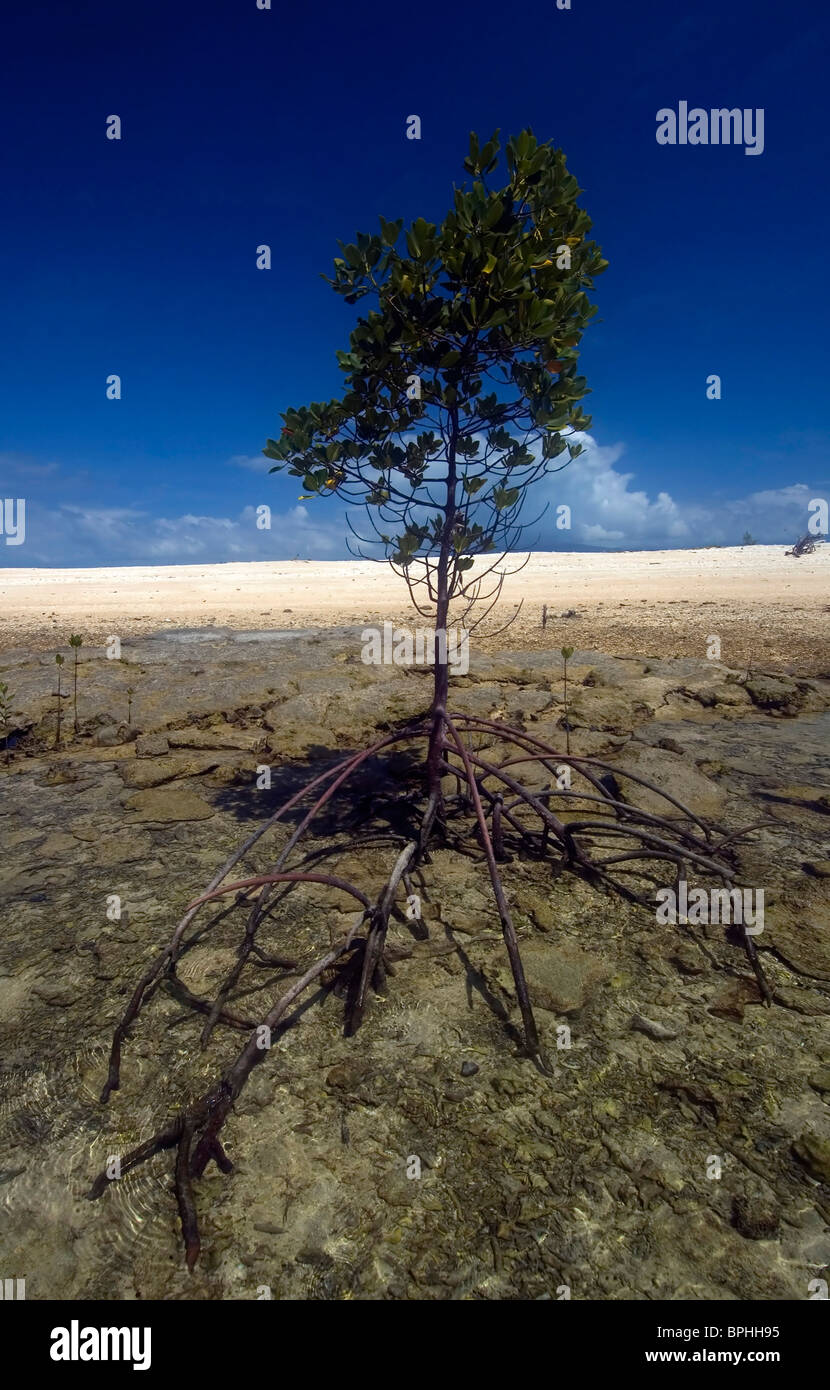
{"type": "Point", "coordinates": [805, 546]}
{"type": "Point", "coordinates": [491, 803]}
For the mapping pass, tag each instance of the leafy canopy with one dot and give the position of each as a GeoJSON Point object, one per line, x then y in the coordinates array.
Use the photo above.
{"type": "Point", "coordinates": [462, 384]}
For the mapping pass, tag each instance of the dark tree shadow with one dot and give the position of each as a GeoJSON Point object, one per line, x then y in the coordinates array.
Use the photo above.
{"type": "Point", "coordinates": [381, 794]}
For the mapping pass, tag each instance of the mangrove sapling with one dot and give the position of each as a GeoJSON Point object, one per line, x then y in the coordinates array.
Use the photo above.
{"type": "Point", "coordinates": [567, 653]}
{"type": "Point", "coordinates": [59, 664]}
{"type": "Point", "coordinates": [75, 643]}
{"type": "Point", "coordinates": [498, 294]}
{"type": "Point", "coordinates": [5, 711]}
{"type": "Point", "coordinates": [130, 693]}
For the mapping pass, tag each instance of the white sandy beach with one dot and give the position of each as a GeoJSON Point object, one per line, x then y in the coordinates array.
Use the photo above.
{"type": "Point", "coordinates": [755, 592]}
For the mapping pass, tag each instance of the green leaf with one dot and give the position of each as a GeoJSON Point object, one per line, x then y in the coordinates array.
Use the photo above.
{"type": "Point", "coordinates": [473, 160]}
{"type": "Point", "coordinates": [390, 231]}
{"type": "Point", "coordinates": [499, 317]}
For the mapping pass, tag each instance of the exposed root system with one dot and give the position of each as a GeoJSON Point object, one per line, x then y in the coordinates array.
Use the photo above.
{"type": "Point", "coordinates": [611, 845]}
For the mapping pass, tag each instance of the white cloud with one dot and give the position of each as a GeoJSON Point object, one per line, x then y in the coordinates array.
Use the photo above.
{"type": "Point", "coordinates": [258, 463]}
{"type": "Point", "coordinates": [607, 511]}
{"type": "Point", "coordinates": [15, 464]}
{"type": "Point", "coordinates": [73, 535]}
{"type": "Point", "coordinates": [604, 511]}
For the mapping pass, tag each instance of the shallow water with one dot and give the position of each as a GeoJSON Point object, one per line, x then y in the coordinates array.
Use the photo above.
{"type": "Point", "coordinates": [594, 1177]}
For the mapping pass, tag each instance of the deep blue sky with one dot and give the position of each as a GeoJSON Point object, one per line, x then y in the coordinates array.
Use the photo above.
{"type": "Point", "coordinates": [287, 127]}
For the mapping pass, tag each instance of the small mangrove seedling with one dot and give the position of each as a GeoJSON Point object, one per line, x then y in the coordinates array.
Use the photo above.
{"type": "Point", "coordinates": [130, 694]}
{"type": "Point", "coordinates": [567, 653]}
{"type": "Point", "coordinates": [75, 642]}
{"type": "Point", "coordinates": [5, 711]}
{"type": "Point", "coordinates": [59, 663]}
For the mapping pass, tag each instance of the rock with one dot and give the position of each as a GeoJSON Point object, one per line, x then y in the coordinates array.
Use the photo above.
{"type": "Point", "coordinates": [603, 707]}
{"type": "Point", "coordinates": [814, 1152]}
{"type": "Point", "coordinates": [485, 700]}
{"type": "Point", "coordinates": [563, 978]}
{"type": "Point", "coordinates": [671, 746]}
{"type": "Point", "coordinates": [396, 1189]}
{"type": "Point", "coordinates": [732, 999]}
{"type": "Point", "coordinates": [219, 736]}
{"type": "Point", "coordinates": [585, 743]}
{"type": "Point", "coordinates": [151, 746]}
{"type": "Point", "coordinates": [798, 933]}
{"type": "Point", "coordinates": [688, 1090]}
{"type": "Point", "coordinates": [526, 703]}
{"type": "Point", "coordinates": [820, 1081]}
{"type": "Point", "coordinates": [711, 692]}
{"type": "Point", "coordinates": [462, 919]}
{"type": "Point", "coordinates": [594, 677]}
{"type": "Point", "coordinates": [315, 1256]}
{"type": "Point", "coordinates": [755, 1216]}
{"type": "Point", "coordinates": [154, 772]}
{"type": "Point", "coordinates": [469, 1068]}
{"type": "Point", "coordinates": [299, 710]}
{"type": "Point", "coordinates": [772, 693]}
{"type": "Point", "coordinates": [113, 737]}
{"type": "Point", "coordinates": [55, 846]}
{"type": "Point", "coordinates": [59, 775]}
{"type": "Point", "coordinates": [346, 1076]}
{"type": "Point", "coordinates": [802, 1001]}
{"type": "Point", "coordinates": [537, 907]}
{"type": "Point", "coordinates": [508, 674]}
{"type": "Point", "coordinates": [122, 847]}
{"type": "Point", "coordinates": [675, 775]}
{"type": "Point", "coordinates": [689, 961]}
{"type": "Point", "coordinates": [232, 775]}
{"type": "Point", "coordinates": [166, 804]}
{"type": "Point", "coordinates": [59, 994]}
{"type": "Point", "coordinates": [652, 1029]}
{"type": "Point", "coordinates": [812, 798]}
{"type": "Point", "coordinates": [205, 966]}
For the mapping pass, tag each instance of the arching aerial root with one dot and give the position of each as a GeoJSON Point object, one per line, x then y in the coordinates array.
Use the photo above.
{"type": "Point", "coordinates": [501, 806]}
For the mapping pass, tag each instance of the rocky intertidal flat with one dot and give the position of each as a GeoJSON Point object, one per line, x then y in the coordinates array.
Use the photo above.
{"type": "Point", "coordinates": [680, 1146]}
